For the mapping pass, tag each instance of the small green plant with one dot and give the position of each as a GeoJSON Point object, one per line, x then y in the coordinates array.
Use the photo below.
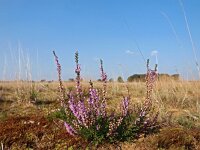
{"type": "Point", "coordinates": [186, 122]}
{"type": "Point", "coordinates": [33, 94]}
{"type": "Point", "coordinates": [60, 114]}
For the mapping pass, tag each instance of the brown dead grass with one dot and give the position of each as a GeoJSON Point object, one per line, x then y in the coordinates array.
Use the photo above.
{"type": "Point", "coordinates": [35, 132]}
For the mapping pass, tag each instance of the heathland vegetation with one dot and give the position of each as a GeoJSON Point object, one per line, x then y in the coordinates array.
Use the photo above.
{"type": "Point", "coordinates": [155, 114]}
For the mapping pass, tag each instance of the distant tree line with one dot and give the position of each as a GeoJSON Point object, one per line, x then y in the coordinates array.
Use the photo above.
{"type": "Point", "coordinates": [162, 76]}
{"type": "Point", "coordinates": [134, 78]}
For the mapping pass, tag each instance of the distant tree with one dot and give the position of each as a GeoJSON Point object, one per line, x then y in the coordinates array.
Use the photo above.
{"type": "Point", "coordinates": [111, 80]}
{"type": "Point", "coordinates": [175, 76]}
{"type": "Point", "coordinates": [99, 80]}
{"type": "Point", "coordinates": [136, 77]}
{"type": "Point", "coordinates": [120, 79]}
{"type": "Point", "coordinates": [50, 81]}
{"type": "Point", "coordinates": [162, 76]}
{"type": "Point", "coordinates": [71, 79]}
{"type": "Point", "coordinates": [43, 80]}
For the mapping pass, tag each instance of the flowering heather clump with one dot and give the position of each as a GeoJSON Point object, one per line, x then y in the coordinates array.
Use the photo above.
{"type": "Point", "coordinates": [61, 87]}
{"type": "Point", "coordinates": [88, 116]}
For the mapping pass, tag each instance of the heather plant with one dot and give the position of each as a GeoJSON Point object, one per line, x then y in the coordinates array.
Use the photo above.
{"type": "Point", "coordinates": [88, 117]}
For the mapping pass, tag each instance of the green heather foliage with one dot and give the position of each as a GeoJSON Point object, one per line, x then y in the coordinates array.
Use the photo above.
{"type": "Point", "coordinates": [85, 113]}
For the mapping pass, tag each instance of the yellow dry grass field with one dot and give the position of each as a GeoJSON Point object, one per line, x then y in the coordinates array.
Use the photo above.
{"type": "Point", "coordinates": [26, 110]}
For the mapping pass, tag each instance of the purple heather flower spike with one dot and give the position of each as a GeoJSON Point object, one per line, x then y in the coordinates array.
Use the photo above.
{"type": "Point", "coordinates": [78, 69]}
{"type": "Point", "coordinates": [151, 75]}
{"type": "Point", "coordinates": [69, 129]}
{"type": "Point", "coordinates": [82, 112]}
{"type": "Point", "coordinates": [61, 87]}
{"type": "Point", "coordinates": [142, 113]}
{"type": "Point", "coordinates": [72, 106]}
{"type": "Point", "coordinates": [78, 77]}
{"type": "Point", "coordinates": [103, 74]}
{"type": "Point", "coordinates": [125, 105]}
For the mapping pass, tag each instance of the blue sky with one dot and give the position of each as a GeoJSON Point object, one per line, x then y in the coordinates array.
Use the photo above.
{"type": "Point", "coordinates": [113, 30]}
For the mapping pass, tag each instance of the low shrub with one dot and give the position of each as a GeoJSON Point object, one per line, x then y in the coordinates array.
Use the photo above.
{"type": "Point", "coordinates": [87, 114]}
